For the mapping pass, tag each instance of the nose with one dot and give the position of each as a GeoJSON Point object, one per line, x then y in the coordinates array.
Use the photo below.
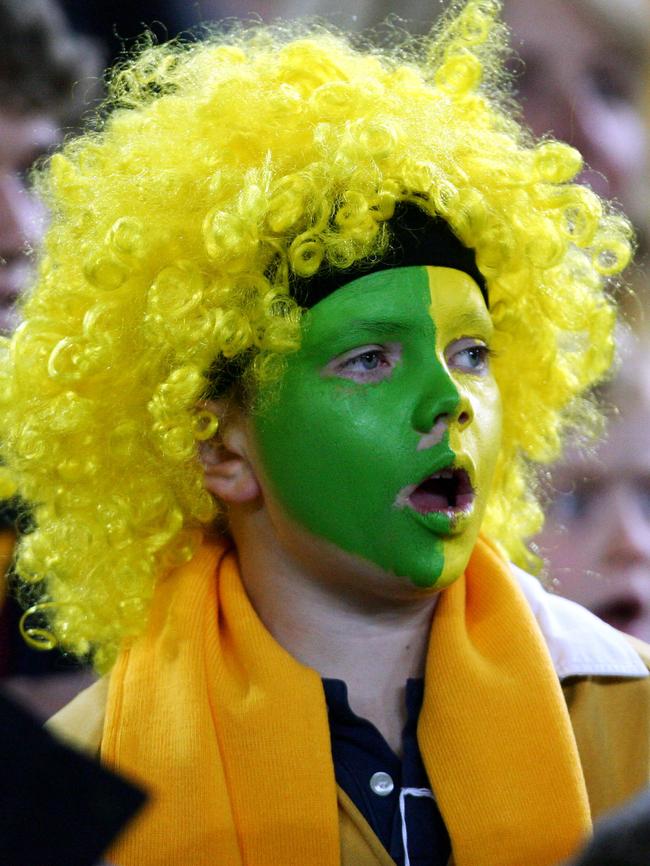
{"type": "Point", "coordinates": [440, 405]}
{"type": "Point", "coordinates": [628, 538]}
{"type": "Point", "coordinates": [465, 414]}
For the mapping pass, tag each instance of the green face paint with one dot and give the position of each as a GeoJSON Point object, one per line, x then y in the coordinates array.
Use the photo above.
{"type": "Point", "coordinates": [385, 430]}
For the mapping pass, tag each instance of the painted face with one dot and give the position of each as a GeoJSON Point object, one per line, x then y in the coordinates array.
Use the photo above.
{"type": "Point", "coordinates": [386, 428]}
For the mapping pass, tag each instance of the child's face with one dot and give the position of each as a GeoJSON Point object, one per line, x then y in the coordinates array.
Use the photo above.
{"type": "Point", "coordinates": [386, 428]}
{"type": "Point", "coordinates": [596, 537]}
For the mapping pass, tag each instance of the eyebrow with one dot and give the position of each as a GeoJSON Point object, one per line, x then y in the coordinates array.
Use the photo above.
{"type": "Point", "coordinates": [468, 322]}
{"type": "Point", "coordinates": [383, 327]}
{"type": "Point", "coordinates": [467, 325]}
{"type": "Point", "coordinates": [472, 320]}
{"type": "Point", "coordinates": [364, 330]}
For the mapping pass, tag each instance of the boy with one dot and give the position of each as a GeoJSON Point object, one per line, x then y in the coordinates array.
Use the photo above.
{"type": "Point", "coordinates": [305, 317]}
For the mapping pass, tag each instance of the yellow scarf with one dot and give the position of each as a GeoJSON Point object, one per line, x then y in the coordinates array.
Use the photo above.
{"type": "Point", "coordinates": [230, 733]}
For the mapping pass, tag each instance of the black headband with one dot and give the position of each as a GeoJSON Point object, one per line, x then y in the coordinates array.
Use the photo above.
{"type": "Point", "coordinates": [416, 239]}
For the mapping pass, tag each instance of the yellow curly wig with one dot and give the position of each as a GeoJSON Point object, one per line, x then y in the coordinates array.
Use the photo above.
{"type": "Point", "coordinates": [221, 167]}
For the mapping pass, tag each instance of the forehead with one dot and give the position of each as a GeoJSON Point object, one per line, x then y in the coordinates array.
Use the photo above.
{"type": "Point", "coordinates": [621, 456]}
{"type": "Point", "coordinates": [412, 299]}
{"type": "Point", "coordinates": [624, 448]}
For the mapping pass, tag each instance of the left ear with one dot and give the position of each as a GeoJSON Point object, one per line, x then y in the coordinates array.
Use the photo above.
{"type": "Point", "coordinates": [228, 472]}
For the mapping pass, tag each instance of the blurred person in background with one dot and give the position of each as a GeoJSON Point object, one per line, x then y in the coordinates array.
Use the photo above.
{"type": "Point", "coordinates": [583, 77]}
{"type": "Point", "coordinates": [580, 76]}
{"type": "Point", "coordinates": [416, 15]}
{"type": "Point", "coordinates": [596, 539]}
{"type": "Point", "coordinates": [49, 76]}
{"type": "Point", "coordinates": [57, 807]}
{"type": "Point", "coordinates": [45, 75]}
{"type": "Point", "coordinates": [621, 838]}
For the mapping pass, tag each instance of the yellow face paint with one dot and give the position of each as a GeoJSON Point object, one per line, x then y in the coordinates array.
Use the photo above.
{"type": "Point", "coordinates": [457, 307]}
{"type": "Point", "coordinates": [372, 440]}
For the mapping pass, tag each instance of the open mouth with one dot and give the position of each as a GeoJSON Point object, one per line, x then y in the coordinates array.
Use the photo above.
{"type": "Point", "coordinates": [447, 492]}
{"type": "Point", "coordinates": [621, 612]}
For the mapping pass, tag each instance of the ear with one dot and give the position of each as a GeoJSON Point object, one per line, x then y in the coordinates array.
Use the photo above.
{"type": "Point", "coordinates": [227, 469]}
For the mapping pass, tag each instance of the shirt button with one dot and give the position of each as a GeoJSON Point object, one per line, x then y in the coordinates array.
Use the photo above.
{"type": "Point", "coordinates": [381, 784]}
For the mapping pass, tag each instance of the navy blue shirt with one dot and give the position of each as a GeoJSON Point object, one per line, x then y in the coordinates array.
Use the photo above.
{"type": "Point", "coordinates": [360, 751]}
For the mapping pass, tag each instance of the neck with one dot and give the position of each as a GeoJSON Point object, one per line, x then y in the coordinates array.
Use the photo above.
{"type": "Point", "coordinates": [340, 621]}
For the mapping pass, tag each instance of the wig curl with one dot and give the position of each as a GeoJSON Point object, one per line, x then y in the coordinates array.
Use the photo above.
{"type": "Point", "coordinates": [221, 169]}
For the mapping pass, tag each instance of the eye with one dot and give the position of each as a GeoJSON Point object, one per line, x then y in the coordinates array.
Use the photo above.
{"type": "Point", "coordinates": [576, 502]}
{"type": "Point", "coordinates": [367, 361]}
{"type": "Point", "coordinates": [611, 84]}
{"type": "Point", "coordinates": [364, 364]}
{"type": "Point", "coordinates": [468, 355]}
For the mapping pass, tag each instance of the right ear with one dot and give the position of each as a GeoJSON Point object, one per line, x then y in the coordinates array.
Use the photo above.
{"type": "Point", "coordinates": [228, 472]}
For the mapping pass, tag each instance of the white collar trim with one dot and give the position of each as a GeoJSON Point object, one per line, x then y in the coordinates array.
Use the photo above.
{"type": "Point", "coordinates": [580, 644]}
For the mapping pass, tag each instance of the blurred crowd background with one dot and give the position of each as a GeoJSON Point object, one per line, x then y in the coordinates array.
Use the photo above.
{"type": "Point", "coordinates": [582, 73]}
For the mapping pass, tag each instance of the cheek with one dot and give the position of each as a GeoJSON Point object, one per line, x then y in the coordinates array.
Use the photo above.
{"type": "Point", "coordinates": [571, 565]}
{"type": "Point", "coordinates": [573, 547]}
{"type": "Point", "coordinates": [485, 429]}
{"type": "Point", "coordinates": [310, 444]}
{"type": "Point", "coordinates": [488, 410]}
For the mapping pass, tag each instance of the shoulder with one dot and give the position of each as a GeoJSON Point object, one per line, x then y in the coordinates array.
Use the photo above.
{"type": "Point", "coordinates": [81, 722]}
{"type": "Point", "coordinates": [641, 648]}
{"type": "Point", "coordinates": [579, 643]}
{"type": "Point", "coordinates": [606, 687]}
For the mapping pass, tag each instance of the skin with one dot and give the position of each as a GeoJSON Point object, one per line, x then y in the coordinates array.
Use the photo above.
{"type": "Point", "coordinates": [23, 138]}
{"type": "Point", "coordinates": [596, 539]}
{"type": "Point", "coordinates": [383, 392]}
{"type": "Point", "coordinates": [338, 612]}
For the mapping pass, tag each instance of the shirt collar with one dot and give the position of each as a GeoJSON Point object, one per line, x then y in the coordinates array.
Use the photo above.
{"type": "Point", "coordinates": [579, 643]}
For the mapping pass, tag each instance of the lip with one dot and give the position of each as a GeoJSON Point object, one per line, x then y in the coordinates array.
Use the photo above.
{"type": "Point", "coordinates": [627, 612]}
{"type": "Point", "coordinates": [447, 521]}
